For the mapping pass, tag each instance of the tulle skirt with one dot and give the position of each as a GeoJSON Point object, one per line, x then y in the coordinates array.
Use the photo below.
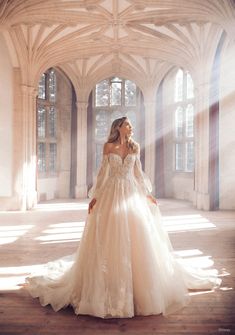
{"type": "Point", "coordinates": [124, 265]}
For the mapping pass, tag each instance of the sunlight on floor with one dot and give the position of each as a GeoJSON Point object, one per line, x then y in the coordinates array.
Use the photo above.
{"type": "Point", "coordinates": [201, 292]}
{"type": "Point", "coordinates": [188, 252]}
{"type": "Point", "coordinates": [11, 278]}
{"type": "Point", "coordinates": [62, 232]}
{"type": "Point", "coordinates": [62, 206]}
{"type": "Point", "coordinates": [201, 262]}
{"type": "Point", "coordinates": [180, 223]}
{"type": "Point", "coordinates": [195, 258]}
{"type": "Point", "coordinates": [210, 291]}
{"type": "Point", "coordinates": [10, 234]}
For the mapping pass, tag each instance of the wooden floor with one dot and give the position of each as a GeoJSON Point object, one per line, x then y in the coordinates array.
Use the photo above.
{"type": "Point", "coordinates": [54, 229]}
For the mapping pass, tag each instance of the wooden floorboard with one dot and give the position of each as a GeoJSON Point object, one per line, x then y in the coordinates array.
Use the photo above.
{"type": "Point", "coordinates": [38, 236]}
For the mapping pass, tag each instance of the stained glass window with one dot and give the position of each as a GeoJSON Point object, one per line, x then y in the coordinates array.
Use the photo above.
{"type": "Point", "coordinates": [116, 93]}
{"type": "Point", "coordinates": [179, 86]}
{"type": "Point", "coordinates": [184, 122]}
{"type": "Point", "coordinates": [101, 129]}
{"type": "Point", "coordinates": [41, 157]}
{"type": "Point", "coordinates": [179, 157]}
{"type": "Point", "coordinates": [189, 120]}
{"type": "Point", "coordinates": [189, 156]}
{"type": "Point", "coordinates": [41, 121]}
{"type": "Point", "coordinates": [52, 121]}
{"type": "Point", "coordinates": [46, 124]}
{"type": "Point", "coordinates": [179, 122]}
{"type": "Point", "coordinates": [42, 87]}
{"type": "Point", "coordinates": [130, 93]}
{"type": "Point", "coordinates": [102, 93]}
{"type": "Point", "coordinates": [52, 157]}
{"type": "Point", "coordinates": [52, 85]}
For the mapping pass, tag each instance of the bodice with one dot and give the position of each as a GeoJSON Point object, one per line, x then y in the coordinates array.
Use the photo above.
{"type": "Point", "coordinates": [121, 168]}
{"type": "Point", "coordinates": [117, 169]}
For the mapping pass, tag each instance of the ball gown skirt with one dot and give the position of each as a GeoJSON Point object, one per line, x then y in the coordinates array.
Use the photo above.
{"type": "Point", "coordinates": [125, 264]}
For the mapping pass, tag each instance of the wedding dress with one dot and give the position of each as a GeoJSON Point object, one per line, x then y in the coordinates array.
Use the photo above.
{"type": "Point", "coordinates": [125, 264]}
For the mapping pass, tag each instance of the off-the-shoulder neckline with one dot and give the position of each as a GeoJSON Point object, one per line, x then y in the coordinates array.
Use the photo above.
{"type": "Point", "coordinates": [123, 159]}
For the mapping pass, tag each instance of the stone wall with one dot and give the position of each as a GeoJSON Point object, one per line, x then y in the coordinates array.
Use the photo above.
{"type": "Point", "coordinates": [227, 130]}
{"type": "Point", "coordinates": [6, 125]}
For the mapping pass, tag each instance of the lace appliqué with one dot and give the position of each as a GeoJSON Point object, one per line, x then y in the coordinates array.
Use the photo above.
{"type": "Point", "coordinates": [121, 168]}
{"type": "Point", "coordinates": [113, 166]}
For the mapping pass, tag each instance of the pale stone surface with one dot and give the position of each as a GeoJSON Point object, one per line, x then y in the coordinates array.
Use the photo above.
{"type": "Point", "coordinates": [47, 188]}
{"type": "Point", "coordinates": [6, 122]}
{"type": "Point", "coordinates": [182, 186]}
{"type": "Point", "coordinates": [227, 130]}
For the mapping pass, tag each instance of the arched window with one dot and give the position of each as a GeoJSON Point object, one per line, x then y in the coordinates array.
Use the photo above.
{"type": "Point", "coordinates": [113, 98]}
{"type": "Point", "coordinates": [46, 124]}
{"type": "Point", "coordinates": [184, 122]}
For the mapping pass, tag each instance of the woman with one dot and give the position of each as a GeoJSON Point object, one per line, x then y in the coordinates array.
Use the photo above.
{"type": "Point", "coordinates": [125, 264]}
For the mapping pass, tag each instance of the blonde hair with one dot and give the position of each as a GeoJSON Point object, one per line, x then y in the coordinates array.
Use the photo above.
{"type": "Point", "coordinates": [114, 134]}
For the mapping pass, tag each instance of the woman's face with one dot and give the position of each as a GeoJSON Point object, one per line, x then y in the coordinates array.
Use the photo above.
{"type": "Point", "coordinates": [126, 128]}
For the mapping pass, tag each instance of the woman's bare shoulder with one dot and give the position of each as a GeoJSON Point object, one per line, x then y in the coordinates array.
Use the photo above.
{"type": "Point", "coordinates": [137, 145]}
{"type": "Point", "coordinates": [107, 148]}
{"type": "Point", "coordinates": [136, 148]}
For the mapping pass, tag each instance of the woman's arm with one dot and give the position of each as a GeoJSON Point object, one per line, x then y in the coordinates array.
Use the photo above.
{"type": "Point", "coordinates": [101, 177]}
{"type": "Point", "coordinates": [142, 178]}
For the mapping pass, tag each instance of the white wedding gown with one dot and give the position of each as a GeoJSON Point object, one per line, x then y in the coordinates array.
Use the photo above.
{"type": "Point", "coordinates": [125, 264]}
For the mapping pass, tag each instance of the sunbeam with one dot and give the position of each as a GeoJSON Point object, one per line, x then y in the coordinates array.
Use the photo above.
{"type": "Point", "coordinates": [186, 223]}
{"type": "Point", "coordinates": [10, 234]}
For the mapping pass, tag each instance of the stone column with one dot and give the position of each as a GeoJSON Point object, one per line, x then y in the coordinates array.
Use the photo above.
{"type": "Point", "coordinates": [29, 194]}
{"type": "Point", "coordinates": [150, 103]}
{"type": "Point", "coordinates": [81, 187]}
{"type": "Point", "coordinates": [201, 191]}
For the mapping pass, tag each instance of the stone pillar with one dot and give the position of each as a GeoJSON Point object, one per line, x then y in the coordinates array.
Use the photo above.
{"type": "Point", "coordinates": [29, 194]}
{"type": "Point", "coordinates": [150, 103]}
{"type": "Point", "coordinates": [201, 190]}
{"type": "Point", "coordinates": [81, 187]}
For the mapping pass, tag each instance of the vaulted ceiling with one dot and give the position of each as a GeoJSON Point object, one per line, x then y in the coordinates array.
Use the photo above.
{"type": "Point", "coordinates": [90, 39]}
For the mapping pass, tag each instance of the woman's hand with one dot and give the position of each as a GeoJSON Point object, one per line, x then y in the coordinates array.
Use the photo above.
{"type": "Point", "coordinates": [91, 204]}
{"type": "Point", "coordinates": [151, 198]}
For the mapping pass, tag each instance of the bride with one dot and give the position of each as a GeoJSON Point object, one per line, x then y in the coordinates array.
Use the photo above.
{"type": "Point", "coordinates": [125, 264]}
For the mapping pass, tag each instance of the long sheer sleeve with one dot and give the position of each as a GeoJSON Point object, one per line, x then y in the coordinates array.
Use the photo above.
{"type": "Point", "coordinates": [142, 179]}
{"type": "Point", "coordinates": [100, 179]}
